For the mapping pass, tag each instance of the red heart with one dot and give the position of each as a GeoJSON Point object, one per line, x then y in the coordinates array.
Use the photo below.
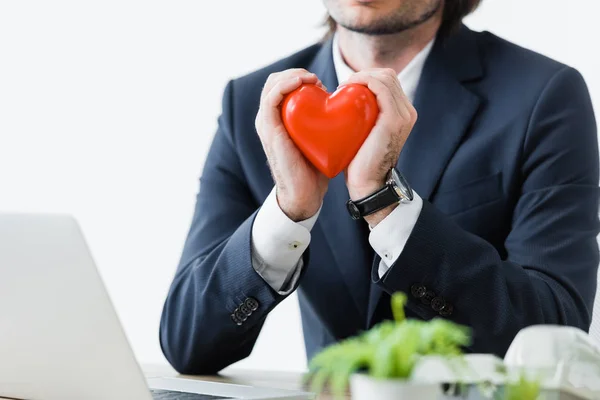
{"type": "Point", "coordinates": [329, 129]}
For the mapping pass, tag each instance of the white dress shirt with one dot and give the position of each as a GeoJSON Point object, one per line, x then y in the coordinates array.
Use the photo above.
{"type": "Point", "coordinates": [278, 242]}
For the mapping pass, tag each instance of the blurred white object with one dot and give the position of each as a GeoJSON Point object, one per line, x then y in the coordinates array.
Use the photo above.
{"type": "Point", "coordinates": [364, 387]}
{"type": "Point", "coordinates": [561, 357]}
{"type": "Point", "coordinates": [471, 368]}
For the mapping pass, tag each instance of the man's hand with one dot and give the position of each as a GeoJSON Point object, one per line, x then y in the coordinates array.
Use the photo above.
{"type": "Point", "coordinates": [379, 153]}
{"type": "Point", "coordinates": [300, 186]}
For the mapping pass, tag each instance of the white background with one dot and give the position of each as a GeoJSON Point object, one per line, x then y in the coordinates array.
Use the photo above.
{"type": "Point", "coordinates": [107, 109]}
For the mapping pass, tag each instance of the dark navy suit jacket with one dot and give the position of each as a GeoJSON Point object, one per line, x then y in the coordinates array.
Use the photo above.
{"type": "Point", "coordinates": [505, 156]}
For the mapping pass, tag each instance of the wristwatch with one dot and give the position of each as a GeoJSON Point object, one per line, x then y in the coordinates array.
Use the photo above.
{"type": "Point", "coordinates": [396, 190]}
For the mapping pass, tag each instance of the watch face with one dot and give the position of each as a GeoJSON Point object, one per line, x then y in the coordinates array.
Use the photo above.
{"type": "Point", "coordinates": [401, 186]}
{"type": "Point", "coordinates": [353, 210]}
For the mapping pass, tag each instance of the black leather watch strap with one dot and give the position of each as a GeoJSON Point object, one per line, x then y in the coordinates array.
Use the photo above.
{"type": "Point", "coordinates": [384, 197]}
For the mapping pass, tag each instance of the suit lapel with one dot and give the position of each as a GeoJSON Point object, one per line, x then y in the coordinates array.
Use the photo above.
{"type": "Point", "coordinates": [446, 109]}
{"type": "Point", "coordinates": [322, 65]}
{"type": "Point", "coordinates": [348, 241]}
{"type": "Point", "coordinates": [346, 238]}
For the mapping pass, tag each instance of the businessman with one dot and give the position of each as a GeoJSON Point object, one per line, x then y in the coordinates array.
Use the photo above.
{"type": "Point", "coordinates": [476, 193]}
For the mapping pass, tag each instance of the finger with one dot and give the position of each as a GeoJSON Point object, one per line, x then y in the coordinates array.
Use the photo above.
{"type": "Point", "coordinates": [385, 100]}
{"type": "Point", "coordinates": [405, 107]}
{"type": "Point", "coordinates": [389, 76]}
{"type": "Point", "coordinates": [306, 77]}
{"type": "Point", "coordinates": [321, 85]}
{"type": "Point", "coordinates": [270, 106]}
{"type": "Point", "coordinates": [273, 79]}
{"type": "Point", "coordinates": [385, 76]}
{"type": "Point", "coordinates": [281, 87]}
{"type": "Point", "coordinates": [364, 77]}
{"type": "Point", "coordinates": [293, 78]}
{"type": "Point", "coordinates": [388, 104]}
{"type": "Point", "coordinates": [390, 79]}
{"type": "Point", "coordinates": [393, 79]}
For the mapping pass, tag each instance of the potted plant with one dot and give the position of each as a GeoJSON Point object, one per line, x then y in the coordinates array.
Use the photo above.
{"type": "Point", "coordinates": [378, 364]}
{"type": "Point", "coordinates": [381, 362]}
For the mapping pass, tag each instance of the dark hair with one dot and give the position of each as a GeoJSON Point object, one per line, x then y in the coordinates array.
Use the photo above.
{"type": "Point", "coordinates": [454, 12]}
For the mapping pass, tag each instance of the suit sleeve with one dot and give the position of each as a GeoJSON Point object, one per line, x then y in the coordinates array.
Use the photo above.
{"type": "Point", "coordinates": [548, 275]}
{"type": "Point", "coordinates": [200, 330]}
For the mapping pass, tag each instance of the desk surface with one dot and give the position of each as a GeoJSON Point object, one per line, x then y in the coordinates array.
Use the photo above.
{"type": "Point", "coordinates": [277, 380]}
{"type": "Point", "coordinates": [270, 379]}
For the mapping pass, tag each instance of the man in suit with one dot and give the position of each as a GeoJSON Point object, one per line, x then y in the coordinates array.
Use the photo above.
{"type": "Point", "coordinates": [483, 209]}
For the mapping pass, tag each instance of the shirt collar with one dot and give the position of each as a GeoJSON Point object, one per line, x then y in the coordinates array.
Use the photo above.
{"type": "Point", "coordinates": [409, 77]}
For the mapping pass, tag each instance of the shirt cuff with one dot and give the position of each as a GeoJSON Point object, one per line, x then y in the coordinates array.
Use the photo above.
{"type": "Point", "coordinates": [389, 237]}
{"type": "Point", "coordinates": [278, 244]}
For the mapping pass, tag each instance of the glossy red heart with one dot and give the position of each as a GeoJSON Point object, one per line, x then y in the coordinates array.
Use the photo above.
{"type": "Point", "coordinates": [329, 129]}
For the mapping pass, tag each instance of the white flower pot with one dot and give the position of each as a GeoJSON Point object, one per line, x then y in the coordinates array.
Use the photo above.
{"type": "Point", "coordinates": [364, 387]}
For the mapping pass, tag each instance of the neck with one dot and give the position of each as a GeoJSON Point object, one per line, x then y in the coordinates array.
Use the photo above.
{"type": "Point", "coordinates": [361, 51]}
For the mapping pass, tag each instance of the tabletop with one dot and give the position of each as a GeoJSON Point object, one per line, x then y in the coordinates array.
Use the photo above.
{"type": "Point", "coordinates": [268, 379]}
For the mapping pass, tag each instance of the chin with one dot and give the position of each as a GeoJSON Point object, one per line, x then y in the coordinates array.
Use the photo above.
{"type": "Point", "coordinates": [364, 13]}
{"type": "Point", "coordinates": [384, 5]}
{"type": "Point", "coordinates": [359, 16]}
{"type": "Point", "coordinates": [379, 17]}
{"type": "Point", "coordinates": [378, 3]}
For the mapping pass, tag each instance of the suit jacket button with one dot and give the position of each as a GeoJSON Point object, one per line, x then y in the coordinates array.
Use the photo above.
{"type": "Point", "coordinates": [240, 315]}
{"type": "Point", "coordinates": [437, 303]}
{"type": "Point", "coordinates": [446, 311]}
{"type": "Point", "coordinates": [235, 319]}
{"type": "Point", "coordinates": [251, 303]}
{"type": "Point", "coordinates": [426, 299]}
{"type": "Point", "coordinates": [418, 291]}
{"type": "Point", "coordinates": [245, 309]}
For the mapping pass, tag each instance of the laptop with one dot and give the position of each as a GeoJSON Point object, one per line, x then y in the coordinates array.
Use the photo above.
{"type": "Point", "coordinates": [60, 337]}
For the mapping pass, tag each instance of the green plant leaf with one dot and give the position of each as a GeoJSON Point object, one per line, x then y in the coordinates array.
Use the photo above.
{"type": "Point", "coordinates": [398, 303]}
{"type": "Point", "coordinates": [389, 350]}
{"type": "Point", "coordinates": [522, 389]}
